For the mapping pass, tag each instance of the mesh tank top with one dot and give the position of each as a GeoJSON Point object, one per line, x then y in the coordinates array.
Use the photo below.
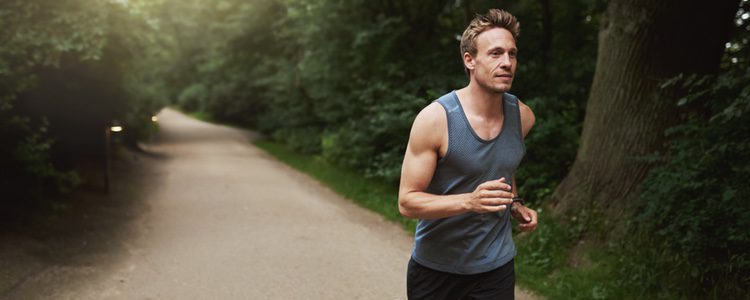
{"type": "Point", "coordinates": [471, 243]}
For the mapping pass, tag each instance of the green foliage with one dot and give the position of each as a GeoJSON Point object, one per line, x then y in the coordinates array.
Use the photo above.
{"type": "Point", "coordinates": [191, 97]}
{"type": "Point", "coordinates": [66, 70]}
{"type": "Point", "coordinates": [37, 35]}
{"type": "Point", "coordinates": [218, 55]}
{"type": "Point", "coordinates": [551, 146]}
{"type": "Point", "coordinates": [544, 251]}
{"type": "Point", "coordinates": [686, 236]}
{"type": "Point", "coordinates": [345, 79]}
{"type": "Point", "coordinates": [693, 207]}
{"type": "Point", "coordinates": [348, 97]}
{"type": "Point", "coordinates": [694, 210]}
{"type": "Point", "coordinates": [29, 158]}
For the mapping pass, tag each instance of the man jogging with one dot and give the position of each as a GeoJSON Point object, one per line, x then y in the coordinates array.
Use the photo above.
{"type": "Point", "coordinates": [457, 175]}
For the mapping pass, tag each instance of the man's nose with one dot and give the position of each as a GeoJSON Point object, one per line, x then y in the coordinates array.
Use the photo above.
{"type": "Point", "coordinates": [505, 60]}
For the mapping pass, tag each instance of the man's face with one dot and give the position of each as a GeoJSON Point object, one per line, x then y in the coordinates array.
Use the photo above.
{"type": "Point", "coordinates": [495, 62]}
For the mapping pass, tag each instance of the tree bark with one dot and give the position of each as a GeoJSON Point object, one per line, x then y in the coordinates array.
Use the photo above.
{"type": "Point", "coordinates": [468, 12]}
{"type": "Point", "coordinates": [641, 43]}
{"type": "Point", "coordinates": [546, 43]}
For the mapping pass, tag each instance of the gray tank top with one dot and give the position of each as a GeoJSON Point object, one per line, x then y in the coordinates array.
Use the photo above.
{"type": "Point", "coordinates": [471, 243]}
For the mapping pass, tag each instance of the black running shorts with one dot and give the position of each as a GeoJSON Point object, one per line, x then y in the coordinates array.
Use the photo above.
{"type": "Point", "coordinates": [426, 283]}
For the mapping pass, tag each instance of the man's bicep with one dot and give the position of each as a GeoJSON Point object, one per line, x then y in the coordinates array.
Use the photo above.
{"type": "Point", "coordinates": [420, 159]}
{"type": "Point", "coordinates": [417, 170]}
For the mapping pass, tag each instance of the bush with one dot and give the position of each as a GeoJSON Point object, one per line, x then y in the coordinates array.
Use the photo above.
{"type": "Point", "coordinates": [693, 211]}
{"type": "Point", "coordinates": [66, 72]}
{"type": "Point", "coordinates": [192, 97]}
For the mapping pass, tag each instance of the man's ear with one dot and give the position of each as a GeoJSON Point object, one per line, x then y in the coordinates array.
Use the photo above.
{"type": "Point", "coordinates": [469, 61]}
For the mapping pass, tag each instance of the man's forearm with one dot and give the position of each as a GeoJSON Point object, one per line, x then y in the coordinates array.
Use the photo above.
{"type": "Point", "coordinates": [421, 205]}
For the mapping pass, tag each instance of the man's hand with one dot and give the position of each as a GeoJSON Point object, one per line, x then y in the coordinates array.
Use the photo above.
{"type": "Point", "coordinates": [490, 196]}
{"type": "Point", "coordinates": [526, 217]}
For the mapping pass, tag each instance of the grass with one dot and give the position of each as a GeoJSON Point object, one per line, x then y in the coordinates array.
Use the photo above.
{"type": "Point", "coordinates": [200, 115]}
{"type": "Point", "coordinates": [372, 194]}
{"type": "Point", "coordinates": [578, 260]}
{"type": "Point", "coordinates": [543, 265]}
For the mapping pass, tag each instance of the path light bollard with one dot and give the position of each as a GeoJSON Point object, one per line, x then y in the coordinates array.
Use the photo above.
{"type": "Point", "coordinates": [155, 120]}
{"type": "Point", "coordinates": [113, 127]}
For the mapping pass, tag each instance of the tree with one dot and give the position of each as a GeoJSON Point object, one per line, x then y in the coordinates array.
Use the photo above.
{"type": "Point", "coordinates": [67, 68]}
{"type": "Point", "coordinates": [641, 44]}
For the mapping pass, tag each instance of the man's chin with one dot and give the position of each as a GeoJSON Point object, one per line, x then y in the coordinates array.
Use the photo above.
{"type": "Point", "coordinates": [495, 87]}
{"type": "Point", "coordinates": [500, 89]}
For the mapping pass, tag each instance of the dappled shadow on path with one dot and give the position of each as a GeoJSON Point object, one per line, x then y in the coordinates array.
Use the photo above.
{"type": "Point", "coordinates": [44, 251]}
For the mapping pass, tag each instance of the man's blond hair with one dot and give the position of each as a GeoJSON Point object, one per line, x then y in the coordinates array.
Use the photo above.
{"type": "Point", "coordinates": [494, 18]}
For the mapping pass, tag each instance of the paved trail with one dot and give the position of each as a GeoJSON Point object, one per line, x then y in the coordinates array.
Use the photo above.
{"type": "Point", "coordinates": [223, 220]}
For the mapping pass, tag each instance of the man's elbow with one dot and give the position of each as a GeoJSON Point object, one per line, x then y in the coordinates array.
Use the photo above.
{"type": "Point", "coordinates": [404, 210]}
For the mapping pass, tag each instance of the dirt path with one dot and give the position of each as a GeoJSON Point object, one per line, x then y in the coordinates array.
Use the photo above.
{"type": "Point", "coordinates": [215, 218]}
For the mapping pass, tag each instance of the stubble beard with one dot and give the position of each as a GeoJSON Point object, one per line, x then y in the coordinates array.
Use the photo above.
{"type": "Point", "coordinates": [496, 89]}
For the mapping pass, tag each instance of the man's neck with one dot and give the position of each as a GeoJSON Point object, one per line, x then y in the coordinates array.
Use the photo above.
{"type": "Point", "coordinates": [480, 101]}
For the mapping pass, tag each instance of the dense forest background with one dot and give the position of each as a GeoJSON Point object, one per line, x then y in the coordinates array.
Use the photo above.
{"type": "Point", "coordinates": [343, 80]}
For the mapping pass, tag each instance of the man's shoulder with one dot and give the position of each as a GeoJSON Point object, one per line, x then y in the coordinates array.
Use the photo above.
{"type": "Point", "coordinates": [431, 122]}
{"type": "Point", "coordinates": [429, 126]}
{"type": "Point", "coordinates": [431, 114]}
{"type": "Point", "coordinates": [527, 117]}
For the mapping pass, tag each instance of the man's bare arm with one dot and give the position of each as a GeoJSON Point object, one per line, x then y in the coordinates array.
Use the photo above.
{"type": "Point", "coordinates": [526, 217]}
{"type": "Point", "coordinates": [420, 161]}
{"type": "Point", "coordinates": [527, 118]}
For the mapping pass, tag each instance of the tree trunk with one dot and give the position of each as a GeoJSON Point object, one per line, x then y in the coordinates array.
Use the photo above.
{"type": "Point", "coordinates": [641, 43]}
{"type": "Point", "coordinates": [546, 43]}
{"type": "Point", "coordinates": [468, 12]}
